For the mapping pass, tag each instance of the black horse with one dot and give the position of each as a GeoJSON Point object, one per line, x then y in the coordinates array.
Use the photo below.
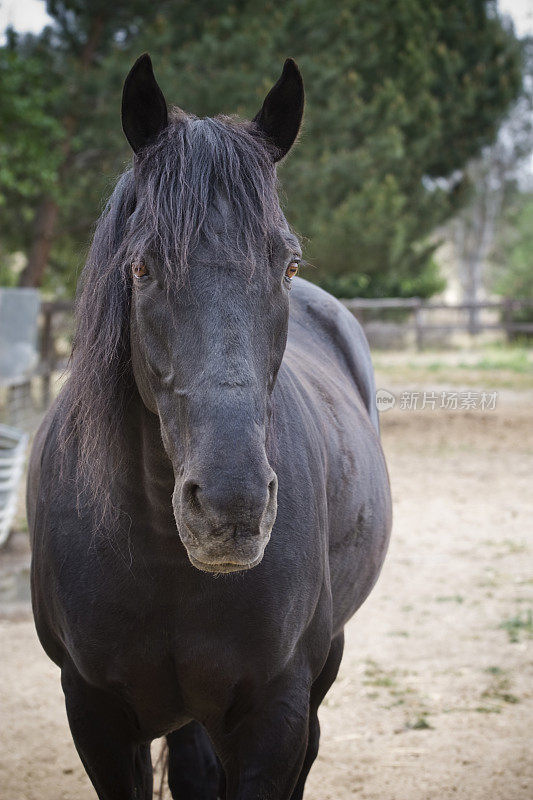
{"type": "Point", "coordinates": [208, 499]}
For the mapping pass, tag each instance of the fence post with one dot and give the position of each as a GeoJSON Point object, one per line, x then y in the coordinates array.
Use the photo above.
{"type": "Point", "coordinates": [47, 347]}
{"type": "Point", "coordinates": [472, 319]}
{"type": "Point", "coordinates": [419, 330]}
{"type": "Point", "coordinates": [508, 316]}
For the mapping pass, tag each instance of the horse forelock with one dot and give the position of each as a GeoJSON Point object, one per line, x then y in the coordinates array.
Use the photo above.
{"type": "Point", "coordinates": [178, 180]}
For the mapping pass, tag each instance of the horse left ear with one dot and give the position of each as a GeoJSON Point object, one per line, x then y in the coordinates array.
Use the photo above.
{"type": "Point", "coordinates": [144, 109]}
{"type": "Point", "coordinates": [281, 115]}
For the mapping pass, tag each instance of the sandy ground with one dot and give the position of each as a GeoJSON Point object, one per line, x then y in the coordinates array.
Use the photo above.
{"type": "Point", "coordinates": [435, 697]}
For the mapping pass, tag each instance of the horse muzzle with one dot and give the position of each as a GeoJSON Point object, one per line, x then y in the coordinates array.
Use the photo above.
{"type": "Point", "coordinates": [226, 531]}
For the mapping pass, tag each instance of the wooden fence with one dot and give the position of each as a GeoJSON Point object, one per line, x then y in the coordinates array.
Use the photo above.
{"type": "Point", "coordinates": [416, 313]}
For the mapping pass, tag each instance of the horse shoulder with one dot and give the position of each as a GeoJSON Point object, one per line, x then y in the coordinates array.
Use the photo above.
{"type": "Point", "coordinates": [359, 507]}
{"type": "Point", "coordinates": [329, 323]}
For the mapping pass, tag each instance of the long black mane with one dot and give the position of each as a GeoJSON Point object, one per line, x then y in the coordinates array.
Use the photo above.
{"type": "Point", "coordinates": [160, 206]}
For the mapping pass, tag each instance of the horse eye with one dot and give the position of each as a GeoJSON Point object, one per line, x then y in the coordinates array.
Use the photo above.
{"type": "Point", "coordinates": [138, 267]}
{"type": "Point", "coordinates": [292, 269]}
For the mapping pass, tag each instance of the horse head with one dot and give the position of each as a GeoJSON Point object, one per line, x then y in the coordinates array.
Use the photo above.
{"type": "Point", "coordinates": [211, 261]}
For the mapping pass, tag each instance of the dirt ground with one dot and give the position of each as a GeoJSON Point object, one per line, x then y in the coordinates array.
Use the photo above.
{"type": "Point", "coordinates": [435, 694]}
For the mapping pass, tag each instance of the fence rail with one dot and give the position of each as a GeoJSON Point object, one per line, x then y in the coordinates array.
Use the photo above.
{"type": "Point", "coordinates": [473, 323]}
{"type": "Point", "coordinates": [418, 308]}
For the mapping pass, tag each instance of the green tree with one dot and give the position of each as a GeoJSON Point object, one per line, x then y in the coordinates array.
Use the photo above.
{"type": "Point", "coordinates": [30, 144]}
{"type": "Point", "coordinates": [71, 88]}
{"type": "Point", "coordinates": [400, 94]}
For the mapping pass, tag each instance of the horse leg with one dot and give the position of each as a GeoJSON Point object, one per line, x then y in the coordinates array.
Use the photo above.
{"type": "Point", "coordinates": [193, 768]}
{"type": "Point", "coordinates": [263, 749]}
{"type": "Point", "coordinates": [318, 691]}
{"type": "Point", "coordinates": [119, 767]}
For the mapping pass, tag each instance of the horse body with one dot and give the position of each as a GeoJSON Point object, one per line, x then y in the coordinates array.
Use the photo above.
{"type": "Point", "coordinates": [192, 639]}
{"type": "Point", "coordinates": [148, 645]}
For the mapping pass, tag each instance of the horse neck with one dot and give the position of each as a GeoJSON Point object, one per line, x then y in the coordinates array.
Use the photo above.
{"type": "Point", "coordinates": [150, 472]}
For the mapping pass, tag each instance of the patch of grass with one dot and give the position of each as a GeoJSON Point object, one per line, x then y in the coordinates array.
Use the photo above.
{"type": "Point", "coordinates": [511, 547]}
{"type": "Point", "coordinates": [420, 724]}
{"type": "Point", "coordinates": [405, 634]}
{"type": "Point", "coordinates": [518, 625]}
{"type": "Point", "coordinates": [499, 687]}
{"type": "Point", "coordinates": [376, 676]}
{"type": "Point", "coordinates": [401, 692]}
{"type": "Point", "coordinates": [382, 680]}
{"type": "Point", "coordinates": [514, 361]}
{"type": "Point", "coordinates": [21, 523]}
{"type": "Point", "coordinates": [507, 546]}
{"type": "Point", "coordinates": [491, 580]}
{"type": "Point", "coordinates": [452, 598]}
{"type": "Point", "coordinates": [488, 710]}
{"type": "Point", "coordinates": [399, 702]}
{"type": "Point", "coordinates": [507, 697]}
{"type": "Point", "coordinates": [490, 367]}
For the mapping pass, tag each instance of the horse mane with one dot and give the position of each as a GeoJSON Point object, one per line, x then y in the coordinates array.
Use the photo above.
{"type": "Point", "coordinates": [159, 206]}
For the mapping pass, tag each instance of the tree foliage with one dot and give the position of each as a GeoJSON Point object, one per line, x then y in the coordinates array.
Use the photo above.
{"type": "Point", "coordinates": [399, 95]}
{"type": "Point", "coordinates": [514, 274]}
{"type": "Point", "coordinates": [30, 134]}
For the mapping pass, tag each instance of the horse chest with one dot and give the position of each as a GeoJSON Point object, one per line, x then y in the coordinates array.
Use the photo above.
{"type": "Point", "coordinates": [177, 658]}
{"type": "Point", "coordinates": [175, 643]}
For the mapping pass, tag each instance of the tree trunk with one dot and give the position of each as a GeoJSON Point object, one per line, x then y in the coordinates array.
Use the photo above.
{"type": "Point", "coordinates": [44, 229]}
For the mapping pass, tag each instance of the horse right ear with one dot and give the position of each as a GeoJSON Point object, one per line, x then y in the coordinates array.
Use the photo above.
{"type": "Point", "coordinates": [281, 114]}
{"type": "Point", "coordinates": [144, 109]}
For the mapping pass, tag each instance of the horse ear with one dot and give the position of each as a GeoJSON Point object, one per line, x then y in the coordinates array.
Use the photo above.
{"type": "Point", "coordinates": [144, 110]}
{"type": "Point", "coordinates": [281, 115]}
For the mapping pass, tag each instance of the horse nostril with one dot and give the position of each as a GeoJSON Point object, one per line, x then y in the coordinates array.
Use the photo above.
{"type": "Point", "coordinates": [272, 486]}
{"type": "Point", "coordinates": [190, 494]}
